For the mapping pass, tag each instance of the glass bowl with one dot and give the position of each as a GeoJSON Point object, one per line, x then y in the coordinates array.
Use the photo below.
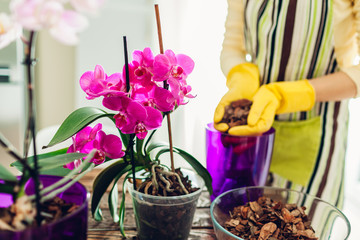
{"type": "Point", "coordinates": [327, 221]}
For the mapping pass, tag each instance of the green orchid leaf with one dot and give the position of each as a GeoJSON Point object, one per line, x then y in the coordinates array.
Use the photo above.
{"type": "Point", "coordinates": [51, 163]}
{"type": "Point", "coordinates": [142, 158]}
{"type": "Point", "coordinates": [59, 171]}
{"type": "Point", "coordinates": [125, 138]}
{"type": "Point", "coordinates": [139, 145]}
{"type": "Point", "coordinates": [6, 175]}
{"type": "Point", "coordinates": [114, 193]}
{"type": "Point", "coordinates": [59, 160]}
{"type": "Point", "coordinates": [113, 201]}
{"type": "Point", "coordinates": [153, 146]}
{"type": "Point", "coordinates": [122, 203]}
{"type": "Point", "coordinates": [98, 215]}
{"type": "Point", "coordinates": [122, 210]}
{"type": "Point", "coordinates": [23, 180]}
{"type": "Point", "coordinates": [102, 182]}
{"type": "Point", "coordinates": [148, 139]}
{"type": "Point", "coordinates": [160, 152]}
{"type": "Point", "coordinates": [198, 167]}
{"type": "Point", "coordinates": [76, 121]}
{"type": "Point", "coordinates": [30, 160]}
{"type": "Point", "coordinates": [6, 188]}
{"type": "Point", "coordinates": [113, 198]}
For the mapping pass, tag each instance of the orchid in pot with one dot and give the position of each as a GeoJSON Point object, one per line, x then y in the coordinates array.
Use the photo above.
{"type": "Point", "coordinates": [25, 199]}
{"type": "Point", "coordinates": [137, 100]}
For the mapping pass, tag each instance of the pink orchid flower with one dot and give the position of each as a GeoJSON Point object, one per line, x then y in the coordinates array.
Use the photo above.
{"type": "Point", "coordinates": [96, 83]}
{"type": "Point", "coordinates": [139, 76]}
{"type": "Point", "coordinates": [35, 15]}
{"type": "Point", "coordinates": [180, 90]}
{"type": "Point", "coordinates": [156, 97]}
{"type": "Point", "coordinates": [94, 138]}
{"type": "Point", "coordinates": [119, 104]}
{"type": "Point", "coordinates": [142, 119]}
{"type": "Point", "coordinates": [9, 30]}
{"type": "Point", "coordinates": [169, 65]}
{"type": "Point", "coordinates": [133, 117]}
{"type": "Point", "coordinates": [174, 69]}
{"type": "Point", "coordinates": [140, 68]}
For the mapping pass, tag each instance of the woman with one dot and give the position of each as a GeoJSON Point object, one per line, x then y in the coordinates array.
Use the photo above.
{"type": "Point", "coordinates": [295, 61]}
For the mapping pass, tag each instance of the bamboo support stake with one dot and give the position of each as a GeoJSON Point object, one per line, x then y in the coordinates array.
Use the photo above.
{"type": "Point", "coordinates": [165, 86]}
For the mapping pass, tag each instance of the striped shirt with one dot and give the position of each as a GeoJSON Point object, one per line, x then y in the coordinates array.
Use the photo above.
{"type": "Point", "coordinates": [291, 40]}
{"type": "Point", "coordinates": [346, 23]}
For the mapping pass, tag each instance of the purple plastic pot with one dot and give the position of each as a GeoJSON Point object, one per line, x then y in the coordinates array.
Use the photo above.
{"type": "Point", "coordinates": [237, 161]}
{"type": "Point", "coordinates": [72, 226]}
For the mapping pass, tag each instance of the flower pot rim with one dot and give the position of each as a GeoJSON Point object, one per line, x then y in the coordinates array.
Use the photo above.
{"type": "Point", "coordinates": [84, 204]}
{"type": "Point", "coordinates": [78, 209]}
{"type": "Point", "coordinates": [201, 187]}
{"type": "Point", "coordinates": [210, 127]}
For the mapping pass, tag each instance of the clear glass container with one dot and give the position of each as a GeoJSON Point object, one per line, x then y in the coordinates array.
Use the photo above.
{"type": "Point", "coordinates": [328, 221]}
{"type": "Point", "coordinates": [166, 217]}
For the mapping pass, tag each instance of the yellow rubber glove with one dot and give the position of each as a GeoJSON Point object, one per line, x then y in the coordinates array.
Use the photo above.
{"type": "Point", "coordinates": [276, 98]}
{"type": "Point", "coordinates": [243, 82]}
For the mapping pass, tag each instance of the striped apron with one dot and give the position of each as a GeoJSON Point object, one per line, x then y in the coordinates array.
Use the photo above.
{"type": "Point", "coordinates": [290, 40]}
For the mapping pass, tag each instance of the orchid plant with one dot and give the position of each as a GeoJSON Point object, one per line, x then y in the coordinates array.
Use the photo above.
{"type": "Point", "coordinates": [64, 20]}
{"type": "Point", "coordinates": [138, 102]}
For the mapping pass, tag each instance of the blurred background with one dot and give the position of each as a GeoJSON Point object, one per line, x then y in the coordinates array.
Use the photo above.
{"type": "Point", "coordinates": [192, 27]}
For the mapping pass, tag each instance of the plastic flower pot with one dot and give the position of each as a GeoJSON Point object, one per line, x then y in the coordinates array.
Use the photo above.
{"type": "Point", "coordinates": [237, 161]}
{"type": "Point", "coordinates": [328, 222]}
{"type": "Point", "coordinates": [72, 226]}
{"type": "Point", "coordinates": [166, 217]}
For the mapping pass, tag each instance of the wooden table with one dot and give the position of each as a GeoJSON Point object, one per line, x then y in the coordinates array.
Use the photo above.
{"type": "Point", "coordinates": [106, 229]}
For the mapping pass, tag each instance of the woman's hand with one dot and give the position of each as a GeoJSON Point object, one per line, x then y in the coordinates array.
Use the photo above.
{"type": "Point", "coordinates": [276, 98]}
{"type": "Point", "coordinates": [243, 82]}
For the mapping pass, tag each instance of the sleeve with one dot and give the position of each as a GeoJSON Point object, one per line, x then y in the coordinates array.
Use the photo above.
{"type": "Point", "coordinates": [233, 50]}
{"type": "Point", "coordinates": [347, 38]}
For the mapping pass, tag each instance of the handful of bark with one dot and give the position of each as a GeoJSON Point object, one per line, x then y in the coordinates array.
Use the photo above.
{"type": "Point", "coordinates": [266, 219]}
{"type": "Point", "coordinates": [237, 112]}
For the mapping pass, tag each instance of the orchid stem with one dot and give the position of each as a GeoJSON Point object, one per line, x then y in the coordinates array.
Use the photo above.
{"type": "Point", "coordinates": [132, 136]}
{"type": "Point", "coordinates": [30, 131]}
{"type": "Point", "coordinates": [9, 148]}
{"type": "Point", "coordinates": [170, 142]}
{"type": "Point", "coordinates": [166, 86]}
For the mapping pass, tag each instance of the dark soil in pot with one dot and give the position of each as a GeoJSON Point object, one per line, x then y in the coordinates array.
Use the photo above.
{"type": "Point", "coordinates": [169, 210]}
